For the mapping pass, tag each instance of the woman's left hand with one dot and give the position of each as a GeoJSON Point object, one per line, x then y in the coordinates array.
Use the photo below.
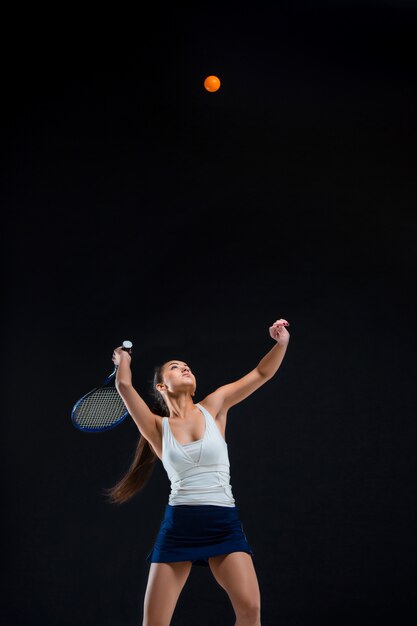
{"type": "Point", "coordinates": [279, 332]}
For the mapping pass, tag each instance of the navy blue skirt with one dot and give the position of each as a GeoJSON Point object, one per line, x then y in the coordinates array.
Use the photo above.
{"type": "Point", "coordinates": [197, 532]}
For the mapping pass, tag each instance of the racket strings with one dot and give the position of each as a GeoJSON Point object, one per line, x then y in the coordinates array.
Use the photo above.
{"type": "Point", "coordinates": [102, 409]}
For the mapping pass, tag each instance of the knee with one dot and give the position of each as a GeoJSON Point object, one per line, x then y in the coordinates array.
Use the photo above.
{"type": "Point", "coordinates": [154, 622]}
{"type": "Point", "coordinates": [249, 611]}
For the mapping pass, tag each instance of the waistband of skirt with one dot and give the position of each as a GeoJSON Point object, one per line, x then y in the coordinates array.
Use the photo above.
{"type": "Point", "coordinates": [200, 508]}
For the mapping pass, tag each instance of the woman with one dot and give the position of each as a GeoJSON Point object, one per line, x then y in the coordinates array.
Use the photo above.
{"type": "Point", "coordinates": [201, 523]}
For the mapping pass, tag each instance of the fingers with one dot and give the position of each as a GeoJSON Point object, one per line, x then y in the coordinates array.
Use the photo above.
{"type": "Point", "coordinates": [278, 330]}
{"type": "Point", "coordinates": [118, 353]}
{"type": "Point", "coordinates": [280, 322]}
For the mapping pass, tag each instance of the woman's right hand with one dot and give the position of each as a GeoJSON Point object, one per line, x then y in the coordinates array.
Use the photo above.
{"type": "Point", "coordinates": [118, 354]}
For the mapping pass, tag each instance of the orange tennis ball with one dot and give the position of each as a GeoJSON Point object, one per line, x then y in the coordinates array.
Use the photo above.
{"type": "Point", "coordinates": [212, 83]}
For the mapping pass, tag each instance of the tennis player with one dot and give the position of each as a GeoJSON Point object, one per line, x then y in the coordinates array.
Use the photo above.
{"type": "Point", "coordinates": [201, 525]}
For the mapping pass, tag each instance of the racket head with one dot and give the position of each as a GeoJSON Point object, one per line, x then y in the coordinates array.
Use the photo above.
{"type": "Point", "coordinates": [100, 409]}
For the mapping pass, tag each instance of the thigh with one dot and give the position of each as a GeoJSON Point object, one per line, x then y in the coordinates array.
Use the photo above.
{"type": "Point", "coordinates": [235, 572]}
{"type": "Point", "coordinates": [165, 583]}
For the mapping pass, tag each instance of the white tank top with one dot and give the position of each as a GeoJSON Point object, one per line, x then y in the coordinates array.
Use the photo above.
{"type": "Point", "coordinates": [199, 471]}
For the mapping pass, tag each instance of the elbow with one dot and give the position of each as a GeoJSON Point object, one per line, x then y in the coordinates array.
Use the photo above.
{"type": "Point", "coordinates": [264, 375]}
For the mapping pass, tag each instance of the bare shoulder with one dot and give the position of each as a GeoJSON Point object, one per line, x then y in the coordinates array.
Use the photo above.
{"type": "Point", "coordinates": [218, 413]}
{"type": "Point", "coordinates": [158, 422]}
{"type": "Point", "coordinates": [214, 407]}
{"type": "Point", "coordinates": [155, 440]}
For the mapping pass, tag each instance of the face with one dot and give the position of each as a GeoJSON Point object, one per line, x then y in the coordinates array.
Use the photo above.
{"type": "Point", "coordinates": [177, 376]}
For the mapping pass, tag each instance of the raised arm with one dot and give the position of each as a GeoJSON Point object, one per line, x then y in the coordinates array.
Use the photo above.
{"type": "Point", "coordinates": [220, 401]}
{"type": "Point", "coordinates": [147, 422]}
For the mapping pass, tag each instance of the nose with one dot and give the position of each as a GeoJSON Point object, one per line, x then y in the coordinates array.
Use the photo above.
{"type": "Point", "coordinates": [185, 369]}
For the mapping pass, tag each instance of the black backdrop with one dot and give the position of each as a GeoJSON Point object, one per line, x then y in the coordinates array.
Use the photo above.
{"type": "Point", "coordinates": [137, 205]}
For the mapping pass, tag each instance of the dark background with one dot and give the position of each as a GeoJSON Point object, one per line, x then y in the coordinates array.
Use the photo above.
{"type": "Point", "coordinates": [137, 205]}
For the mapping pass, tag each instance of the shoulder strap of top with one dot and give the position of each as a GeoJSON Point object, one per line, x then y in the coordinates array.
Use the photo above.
{"type": "Point", "coordinates": [206, 413]}
{"type": "Point", "coordinates": [164, 426]}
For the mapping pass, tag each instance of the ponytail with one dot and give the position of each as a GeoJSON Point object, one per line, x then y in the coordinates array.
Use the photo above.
{"type": "Point", "coordinates": [143, 462]}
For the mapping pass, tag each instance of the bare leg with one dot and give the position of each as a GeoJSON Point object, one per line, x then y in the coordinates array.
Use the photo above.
{"type": "Point", "coordinates": [165, 583]}
{"type": "Point", "coordinates": [236, 574]}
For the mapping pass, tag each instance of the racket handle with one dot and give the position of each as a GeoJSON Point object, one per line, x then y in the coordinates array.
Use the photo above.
{"type": "Point", "coordinates": [127, 346]}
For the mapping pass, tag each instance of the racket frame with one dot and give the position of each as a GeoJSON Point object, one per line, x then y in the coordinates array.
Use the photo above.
{"type": "Point", "coordinates": [127, 346]}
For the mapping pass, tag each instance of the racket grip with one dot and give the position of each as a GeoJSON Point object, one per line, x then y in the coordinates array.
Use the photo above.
{"type": "Point", "coordinates": [127, 346]}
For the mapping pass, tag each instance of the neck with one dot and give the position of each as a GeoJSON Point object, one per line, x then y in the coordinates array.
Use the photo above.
{"type": "Point", "coordinates": [180, 406]}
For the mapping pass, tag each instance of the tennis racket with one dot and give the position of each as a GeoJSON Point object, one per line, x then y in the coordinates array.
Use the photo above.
{"type": "Point", "coordinates": [101, 408]}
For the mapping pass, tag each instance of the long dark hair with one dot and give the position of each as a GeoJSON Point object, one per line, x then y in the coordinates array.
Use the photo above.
{"type": "Point", "coordinates": [143, 462]}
